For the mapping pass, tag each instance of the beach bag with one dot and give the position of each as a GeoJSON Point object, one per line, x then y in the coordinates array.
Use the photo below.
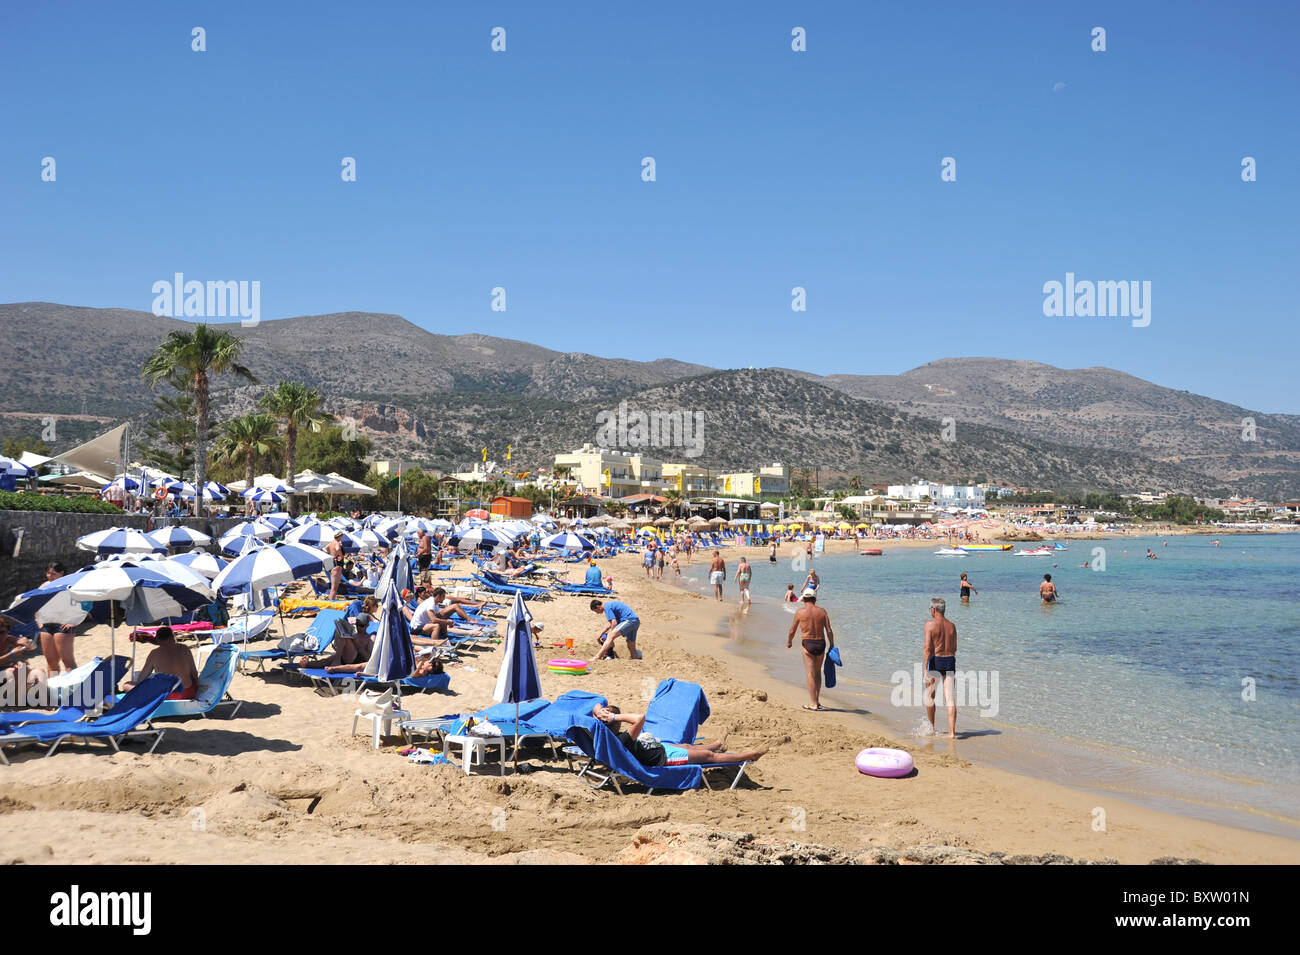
{"type": "Point", "coordinates": [376, 702]}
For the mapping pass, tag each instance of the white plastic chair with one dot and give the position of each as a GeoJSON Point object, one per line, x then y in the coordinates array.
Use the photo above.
{"type": "Point", "coordinates": [380, 709]}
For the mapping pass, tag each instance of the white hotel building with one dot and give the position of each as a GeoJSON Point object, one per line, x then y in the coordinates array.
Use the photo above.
{"type": "Point", "coordinates": [940, 495]}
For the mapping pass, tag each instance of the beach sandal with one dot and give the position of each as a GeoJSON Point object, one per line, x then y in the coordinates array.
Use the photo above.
{"type": "Point", "coordinates": [813, 709]}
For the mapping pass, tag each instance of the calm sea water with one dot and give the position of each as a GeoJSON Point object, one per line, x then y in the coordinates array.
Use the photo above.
{"type": "Point", "coordinates": [1132, 683]}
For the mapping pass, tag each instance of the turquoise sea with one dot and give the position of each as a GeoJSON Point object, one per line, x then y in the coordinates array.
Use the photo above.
{"type": "Point", "coordinates": [1138, 683]}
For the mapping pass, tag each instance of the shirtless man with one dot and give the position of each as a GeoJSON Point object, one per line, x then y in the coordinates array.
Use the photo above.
{"type": "Point", "coordinates": [423, 550]}
{"type": "Point", "coordinates": [817, 639]}
{"type": "Point", "coordinates": [173, 659]}
{"type": "Point", "coordinates": [717, 574]}
{"type": "Point", "coordinates": [743, 573]}
{"type": "Point", "coordinates": [1047, 590]}
{"type": "Point", "coordinates": [335, 549]}
{"type": "Point", "coordinates": [939, 653]}
{"type": "Point", "coordinates": [966, 589]}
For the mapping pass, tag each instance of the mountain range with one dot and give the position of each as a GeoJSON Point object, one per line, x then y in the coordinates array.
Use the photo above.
{"type": "Point", "coordinates": [437, 399]}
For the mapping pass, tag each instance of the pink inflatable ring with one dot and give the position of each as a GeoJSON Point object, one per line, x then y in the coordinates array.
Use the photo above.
{"type": "Point", "coordinates": [884, 762]}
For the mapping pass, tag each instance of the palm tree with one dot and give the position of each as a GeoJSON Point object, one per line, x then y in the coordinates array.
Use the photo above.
{"type": "Point", "coordinates": [194, 356]}
{"type": "Point", "coordinates": [299, 407]}
{"type": "Point", "coordinates": [242, 440]}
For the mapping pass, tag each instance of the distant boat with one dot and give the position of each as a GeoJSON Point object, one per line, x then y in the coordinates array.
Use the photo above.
{"type": "Point", "coordinates": [969, 548]}
{"type": "Point", "coordinates": [950, 552]}
{"type": "Point", "coordinates": [1059, 546]}
{"type": "Point", "coordinates": [1037, 552]}
{"type": "Point", "coordinates": [871, 552]}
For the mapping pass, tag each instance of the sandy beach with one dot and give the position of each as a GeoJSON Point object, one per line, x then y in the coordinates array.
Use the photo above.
{"type": "Point", "coordinates": [284, 781]}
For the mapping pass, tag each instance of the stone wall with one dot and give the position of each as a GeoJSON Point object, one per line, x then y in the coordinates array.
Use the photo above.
{"type": "Point", "coordinates": [49, 536]}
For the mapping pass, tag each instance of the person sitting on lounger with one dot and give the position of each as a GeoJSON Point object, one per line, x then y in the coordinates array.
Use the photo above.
{"type": "Point", "coordinates": [173, 659]}
{"type": "Point", "coordinates": [652, 752]}
{"type": "Point", "coordinates": [430, 621]}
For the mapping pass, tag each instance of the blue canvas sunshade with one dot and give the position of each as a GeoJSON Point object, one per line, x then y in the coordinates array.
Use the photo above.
{"type": "Point", "coordinates": [676, 712]}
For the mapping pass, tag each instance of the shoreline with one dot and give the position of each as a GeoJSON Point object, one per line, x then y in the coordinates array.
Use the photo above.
{"type": "Point", "coordinates": [284, 781]}
{"type": "Point", "coordinates": [715, 633]}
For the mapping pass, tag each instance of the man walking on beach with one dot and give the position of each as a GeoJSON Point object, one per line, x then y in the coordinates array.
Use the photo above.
{"type": "Point", "coordinates": [743, 573]}
{"type": "Point", "coordinates": [1047, 590]}
{"type": "Point", "coordinates": [717, 575]}
{"type": "Point", "coordinates": [817, 639]}
{"type": "Point", "coordinates": [939, 652]}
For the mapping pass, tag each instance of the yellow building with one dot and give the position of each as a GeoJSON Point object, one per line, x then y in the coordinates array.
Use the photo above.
{"type": "Point", "coordinates": [690, 479]}
{"type": "Point", "coordinates": [612, 473]}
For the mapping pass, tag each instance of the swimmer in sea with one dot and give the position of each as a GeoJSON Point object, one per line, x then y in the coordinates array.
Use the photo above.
{"type": "Point", "coordinates": [966, 589]}
{"type": "Point", "coordinates": [1047, 590]}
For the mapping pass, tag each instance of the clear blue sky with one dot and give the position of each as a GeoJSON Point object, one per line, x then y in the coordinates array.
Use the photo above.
{"type": "Point", "coordinates": [775, 169]}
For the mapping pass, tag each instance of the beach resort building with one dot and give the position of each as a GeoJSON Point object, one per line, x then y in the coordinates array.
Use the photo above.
{"type": "Point", "coordinates": [690, 479]}
{"type": "Point", "coordinates": [611, 473]}
{"type": "Point", "coordinates": [940, 495]}
{"type": "Point", "coordinates": [771, 479]}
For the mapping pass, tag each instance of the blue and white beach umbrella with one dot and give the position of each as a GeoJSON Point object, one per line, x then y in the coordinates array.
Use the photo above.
{"type": "Point", "coordinates": [125, 482]}
{"type": "Point", "coordinates": [393, 656]}
{"type": "Point", "coordinates": [318, 535]}
{"type": "Point", "coordinates": [175, 535]}
{"type": "Point", "coordinates": [120, 540]}
{"type": "Point", "coordinates": [270, 565]}
{"type": "Point", "coordinates": [200, 561]}
{"type": "Point", "coordinates": [147, 592]}
{"type": "Point", "coordinates": [239, 546]}
{"type": "Point", "coordinates": [261, 495]}
{"type": "Point", "coordinates": [566, 540]}
{"type": "Point", "coordinates": [518, 680]}
{"type": "Point", "coordinates": [481, 537]}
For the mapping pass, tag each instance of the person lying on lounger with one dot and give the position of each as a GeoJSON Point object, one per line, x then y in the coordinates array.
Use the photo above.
{"type": "Point", "coordinates": [349, 652]}
{"type": "Point", "coordinates": [652, 752]}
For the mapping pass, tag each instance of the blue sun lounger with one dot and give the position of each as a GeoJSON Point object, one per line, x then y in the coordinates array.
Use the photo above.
{"type": "Point", "coordinates": [339, 683]}
{"type": "Point", "coordinates": [134, 710]}
{"type": "Point", "coordinates": [214, 686]}
{"type": "Point", "coordinates": [98, 683]}
{"type": "Point", "coordinates": [321, 630]}
{"type": "Point", "coordinates": [673, 716]}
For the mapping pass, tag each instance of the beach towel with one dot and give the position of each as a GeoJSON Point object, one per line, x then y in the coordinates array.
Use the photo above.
{"type": "Point", "coordinates": [596, 739]}
{"type": "Point", "coordinates": [828, 667]}
{"type": "Point", "coordinates": [556, 718]}
{"type": "Point", "coordinates": [676, 712]}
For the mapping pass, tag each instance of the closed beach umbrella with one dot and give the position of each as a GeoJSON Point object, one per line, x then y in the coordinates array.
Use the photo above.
{"type": "Point", "coordinates": [175, 535]}
{"type": "Point", "coordinates": [518, 681]}
{"type": "Point", "coordinates": [393, 656]}
{"type": "Point", "coordinates": [120, 540]}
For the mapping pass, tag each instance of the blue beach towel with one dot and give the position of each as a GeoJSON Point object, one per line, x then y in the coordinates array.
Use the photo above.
{"type": "Point", "coordinates": [828, 667]}
{"type": "Point", "coordinates": [596, 739]}
{"type": "Point", "coordinates": [676, 712]}
{"type": "Point", "coordinates": [556, 718]}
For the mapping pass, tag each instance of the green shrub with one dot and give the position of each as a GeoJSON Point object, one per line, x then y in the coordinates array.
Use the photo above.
{"type": "Point", "coordinates": [81, 504]}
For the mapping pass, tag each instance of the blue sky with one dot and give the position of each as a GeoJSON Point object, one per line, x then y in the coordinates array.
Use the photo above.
{"type": "Point", "coordinates": [775, 169]}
